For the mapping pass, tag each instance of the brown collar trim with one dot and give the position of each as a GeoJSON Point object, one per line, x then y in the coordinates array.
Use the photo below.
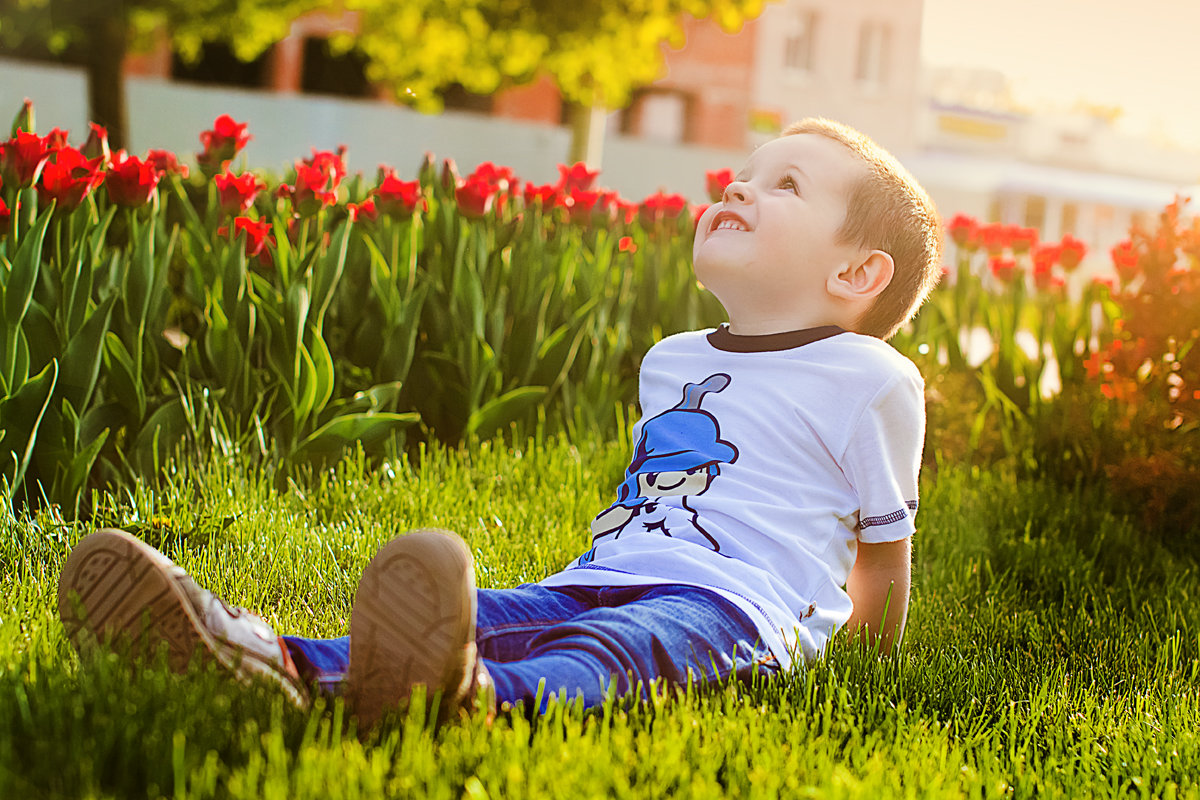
{"type": "Point", "coordinates": [722, 339]}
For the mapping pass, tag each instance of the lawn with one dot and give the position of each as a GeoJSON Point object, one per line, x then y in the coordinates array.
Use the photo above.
{"type": "Point", "coordinates": [1052, 650]}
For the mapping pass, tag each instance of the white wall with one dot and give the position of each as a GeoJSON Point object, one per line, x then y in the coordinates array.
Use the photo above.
{"type": "Point", "coordinates": [169, 115]}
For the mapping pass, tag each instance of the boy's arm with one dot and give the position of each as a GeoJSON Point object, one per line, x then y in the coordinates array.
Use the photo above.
{"type": "Point", "coordinates": [879, 585]}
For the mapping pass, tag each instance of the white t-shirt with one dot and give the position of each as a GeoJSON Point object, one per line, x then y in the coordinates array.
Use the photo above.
{"type": "Point", "coordinates": [759, 464]}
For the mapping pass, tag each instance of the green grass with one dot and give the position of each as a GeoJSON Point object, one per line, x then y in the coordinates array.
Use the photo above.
{"type": "Point", "coordinates": [1052, 650]}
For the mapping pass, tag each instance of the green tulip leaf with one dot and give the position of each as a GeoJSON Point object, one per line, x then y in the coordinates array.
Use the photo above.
{"type": "Point", "coordinates": [371, 430]}
{"type": "Point", "coordinates": [81, 361]}
{"type": "Point", "coordinates": [500, 411]}
{"type": "Point", "coordinates": [165, 428]}
{"type": "Point", "coordinates": [26, 265]}
{"type": "Point", "coordinates": [22, 413]}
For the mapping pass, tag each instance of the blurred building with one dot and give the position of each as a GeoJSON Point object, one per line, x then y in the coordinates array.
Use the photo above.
{"type": "Point", "coordinates": [959, 131]}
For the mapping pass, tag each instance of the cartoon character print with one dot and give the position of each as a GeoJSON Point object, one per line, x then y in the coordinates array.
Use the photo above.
{"type": "Point", "coordinates": [678, 455]}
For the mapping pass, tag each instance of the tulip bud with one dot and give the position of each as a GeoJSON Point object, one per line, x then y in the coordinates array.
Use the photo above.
{"type": "Point", "coordinates": [24, 119]}
{"type": "Point", "coordinates": [450, 177]}
{"type": "Point", "coordinates": [96, 145]}
{"type": "Point", "coordinates": [427, 172]}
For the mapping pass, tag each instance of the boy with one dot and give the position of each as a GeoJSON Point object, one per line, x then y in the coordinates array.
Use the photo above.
{"type": "Point", "coordinates": [775, 463]}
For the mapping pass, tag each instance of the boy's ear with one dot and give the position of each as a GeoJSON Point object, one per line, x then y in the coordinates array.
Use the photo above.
{"type": "Point", "coordinates": [864, 277]}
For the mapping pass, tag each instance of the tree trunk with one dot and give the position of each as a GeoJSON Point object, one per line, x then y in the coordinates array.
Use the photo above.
{"type": "Point", "coordinates": [106, 49]}
{"type": "Point", "coordinates": [587, 134]}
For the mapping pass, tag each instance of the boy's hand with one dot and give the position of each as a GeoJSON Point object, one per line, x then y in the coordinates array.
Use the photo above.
{"type": "Point", "coordinates": [879, 586]}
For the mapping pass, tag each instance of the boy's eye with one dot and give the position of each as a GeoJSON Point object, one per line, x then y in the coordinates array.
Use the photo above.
{"type": "Point", "coordinates": [789, 183]}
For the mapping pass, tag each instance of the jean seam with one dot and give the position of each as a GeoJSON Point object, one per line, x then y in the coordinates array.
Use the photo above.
{"type": "Point", "coordinates": [513, 627]}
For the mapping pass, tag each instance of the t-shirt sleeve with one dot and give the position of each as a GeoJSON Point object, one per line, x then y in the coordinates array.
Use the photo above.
{"type": "Point", "coordinates": [883, 458]}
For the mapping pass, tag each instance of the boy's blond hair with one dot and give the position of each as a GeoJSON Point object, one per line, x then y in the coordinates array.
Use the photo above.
{"type": "Point", "coordinates": [887, 210]}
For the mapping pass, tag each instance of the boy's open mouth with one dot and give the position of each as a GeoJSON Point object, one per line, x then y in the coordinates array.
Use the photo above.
{"type": "Point", "coordinates": [727, 220]}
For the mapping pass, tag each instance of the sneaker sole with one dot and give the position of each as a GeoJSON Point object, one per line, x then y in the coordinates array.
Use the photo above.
{"type": "Point", "coordinates": [114, 589]}
{"type": "Point", "coordinates": [413, 623]}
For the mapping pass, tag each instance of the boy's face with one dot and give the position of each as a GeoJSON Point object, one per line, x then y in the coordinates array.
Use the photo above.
{"type": "Point", "coordinates": [767, 250]}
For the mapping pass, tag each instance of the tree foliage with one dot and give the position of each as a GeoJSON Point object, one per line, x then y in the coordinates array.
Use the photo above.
{"type": "Point", "coordinates": [596, 51]}
{"type": "Point", "coordinates": [98, 34]}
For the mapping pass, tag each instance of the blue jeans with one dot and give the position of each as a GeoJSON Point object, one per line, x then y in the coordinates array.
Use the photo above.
{"type": "Point", "coordinates": [582, 639]}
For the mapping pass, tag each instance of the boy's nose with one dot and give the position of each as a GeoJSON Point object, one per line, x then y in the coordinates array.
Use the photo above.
{"type": "Point", "coordinates": [736, 190]}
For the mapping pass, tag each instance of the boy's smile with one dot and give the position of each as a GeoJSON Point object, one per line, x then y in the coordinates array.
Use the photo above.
{"type": "Point", "coordinates": [768, 248]}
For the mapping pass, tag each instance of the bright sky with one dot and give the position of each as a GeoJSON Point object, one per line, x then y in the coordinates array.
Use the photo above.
{"type": "Point", "coordinates": [1142, 56]}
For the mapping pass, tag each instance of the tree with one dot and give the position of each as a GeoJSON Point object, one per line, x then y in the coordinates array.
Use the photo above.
{"type": "Point", "coordinates": [596, 51]}
{"type": "Point", "coordinates": [99, 33]}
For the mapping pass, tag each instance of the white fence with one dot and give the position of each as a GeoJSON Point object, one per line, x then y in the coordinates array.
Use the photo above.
{"type": "Point", "coordinates": [169, 115]}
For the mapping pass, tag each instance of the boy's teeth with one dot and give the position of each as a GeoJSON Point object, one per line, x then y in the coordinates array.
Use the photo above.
{"type": "Point", "coordinates": [730, 224]}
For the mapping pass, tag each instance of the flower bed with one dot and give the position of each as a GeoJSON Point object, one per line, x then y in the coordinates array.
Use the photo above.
{"type": "Point", "coordinates": [151, 305]}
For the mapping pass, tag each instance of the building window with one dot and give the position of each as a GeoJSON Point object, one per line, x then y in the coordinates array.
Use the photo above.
{"type": "Point", "coordinates": [874, 51]}
{"type": "Point", "coordinates": [661, 115]}
{"type": "Point", "coordinates": [1070, 219]}
{"type": "Point", "coordinates": [1035, 212]}
{"type": "Point", "coordinates": [217, 64]}
{"type": "Point", "coordinates": [799, 46]}
{"type": "Point", "coordinates": [326, 72]}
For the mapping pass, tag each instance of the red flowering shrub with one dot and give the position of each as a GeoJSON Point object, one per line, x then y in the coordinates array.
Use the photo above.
{"type": "Point", "coordinates": [1152, 357]}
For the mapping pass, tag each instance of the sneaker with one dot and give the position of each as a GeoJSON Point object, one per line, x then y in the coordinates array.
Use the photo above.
{"type": "Point", "coordinates": [413, 623]}
{"type": "Point", "coordinates": [115, 586]}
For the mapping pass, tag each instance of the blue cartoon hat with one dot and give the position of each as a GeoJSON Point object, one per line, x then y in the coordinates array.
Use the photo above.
{"type": "Point", "coordinates": [682, 438]}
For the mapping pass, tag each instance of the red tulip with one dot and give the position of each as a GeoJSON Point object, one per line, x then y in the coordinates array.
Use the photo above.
{"type": "Point", "coordinates": [587, 206]}
{"type": "Point", "coordinates": [22, 158]}
{"type": "Point", "coordinates": [474, 198]}
{"type": "Point", "coordinates": [5, 217]}
{"type": "Point", "coordinates": [1003, 269]}
{"type": "Point", "coordinates": [221, 144]}
{"type": "Point", "coordinates": [131, 182]}
{"type": "Point", "coordinates": [576, 177]}
{"type": "Point", "coordinates": [715, 182]}
{"type": "Point", "coordinates": [499, 177]}
{"type": "Point", "coordinates": [627, 245]}
{"type": "Point", "coordinates": [1043, 275]}
{"type": "Point", "coordinates": [627, 211]}
{"type": "Point", "coordinates": [68, 177]}
{"type": "Point", "coordinates": [331, 165]}
{"type": "Point", "coordinates": [1047, 256]}
{"type": "Point", "coordinates": [964, 231]}
{"type": "Point", "coordinates": [1023, 239]}
{"type": "Point", "coordinates": [546, 196]}
{"type": "Point", "coordinates": [237, 193]}
{"type": "Point", "coordinates": [1073, 251]}
{"type": "Point", "coordinates": [257, 233]}
{"type": "Point", "coordinates": [994, 237]}
{"type": "Point", "coordinates": [166, 163]}
{"type": "Point", "coordinates": [398, 199]}
{"type": "Point", "coordinates": [310, 193]}
{"type": "Point", "coordinates": [366, 210]}
{"type": "Point", "coordinates": [661, 206]}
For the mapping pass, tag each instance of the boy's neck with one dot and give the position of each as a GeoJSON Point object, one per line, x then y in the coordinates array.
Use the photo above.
{"type": "Point", "coordinates": [766, 326]}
